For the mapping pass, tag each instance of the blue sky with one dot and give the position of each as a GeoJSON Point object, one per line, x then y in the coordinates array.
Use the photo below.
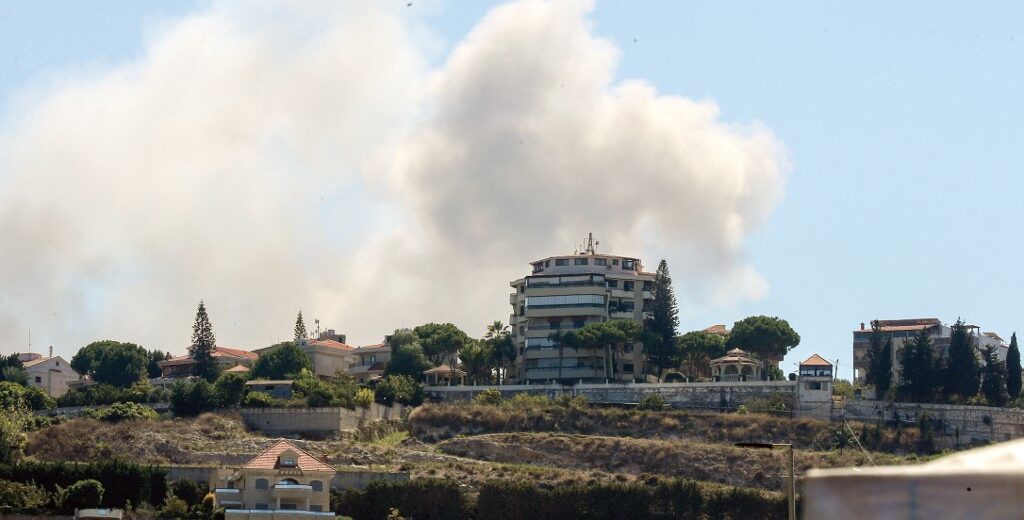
{"type": "Point", "coordinates": [902, 121]}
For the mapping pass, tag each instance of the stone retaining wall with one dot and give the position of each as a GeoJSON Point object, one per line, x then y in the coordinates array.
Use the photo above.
{"type": "Point", "coordinates": [278, 421]}
{"type": "Point", "coordinates": [721, 396]}
{"type": "Point", "coordinates": [963, 424]}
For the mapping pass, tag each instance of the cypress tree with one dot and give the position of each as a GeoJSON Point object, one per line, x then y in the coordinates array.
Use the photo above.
{"type": "Point", "coordinates": [300, 329]}
{"type": "Point", "coordinates": [994, 384]}
{"type": "Point", "coordinates": [918, 370]}
{"type": "Point", "coordinates": [879, 362]}
{"type": "Point", "coordinates": [665, 320]}
{"type": "Point", "coordinates": [1013, 381]}
{"type": "Point", "coordinates": [203, 345]}
{"type": "Point", "coordinates": [963, 373]}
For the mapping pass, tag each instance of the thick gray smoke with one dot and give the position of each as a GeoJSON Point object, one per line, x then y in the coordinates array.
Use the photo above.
{"type": "Point", "coordinates": [278, 157]}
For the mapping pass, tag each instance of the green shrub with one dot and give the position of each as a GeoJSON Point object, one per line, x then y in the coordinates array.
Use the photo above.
{"type": "Point", "coordinates": [191, 492]}
{"type": "Point", "coordinates": [16, 497]}
{"type": "Point", "coordinates": [530, 401]}
{"type": "Point", "coordinates": [364, 397]}
{"type": "Point", "coordinates": [399, 389]}
{"type": "Point", "coordinates": [572, 401]}
{"type": "Point", "coordinates": [122, 412]}
{"type": "Point", "coordinates": [121, 481]}
{"type": "Point", "coordinates": [84, 494]}
{"type": "Point", "coordinates": [773, 404]}
{"type": "Point", "coordinates": [491, 396]}
{"type": "Point", "coordinates": [258, 400]}
{"type": "Point", "coordinates": [421, 498]}
{"type": "Point", "coordinates": [653, 402]}
{"type": "Point", "coordinates": [191, 399]}
{"type": "Point", "coordinates": [230, 387]}
{"type": "Point", "coordinates": [174, 507]}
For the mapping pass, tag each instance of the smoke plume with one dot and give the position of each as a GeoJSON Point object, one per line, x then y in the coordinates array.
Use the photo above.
{"type": "Point", "coordinates": [274, 157]}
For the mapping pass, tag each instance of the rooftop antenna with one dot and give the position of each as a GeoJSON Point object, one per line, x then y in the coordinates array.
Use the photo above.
{"type": "Point", "coordinates": [590, 244]}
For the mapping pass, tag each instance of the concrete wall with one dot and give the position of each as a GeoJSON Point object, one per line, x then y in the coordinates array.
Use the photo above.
{"type": "Point", "coordinates": [321, 420]}
{"type": "Point", "coordinates": [727, 395]}
{"type": "Point", "coordinates": [970, 422]}
{"type": "Point", "coordinates": [361, 479]}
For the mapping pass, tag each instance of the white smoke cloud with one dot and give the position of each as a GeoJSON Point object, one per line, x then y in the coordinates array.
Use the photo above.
{"type": "Point", "coordinates": [281, 157]}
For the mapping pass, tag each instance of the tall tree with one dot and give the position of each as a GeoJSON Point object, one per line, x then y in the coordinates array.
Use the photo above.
{"type": "Point", "coordinates": [203, 345]}
{"type": "Point", "coordinates": [112, 362]}
{"type": "Point", "coordinates": [300, 329]}
{"type": "Point", "coordinates": [285, 361]}
{"type": "Point", "coordinates": [919, 370]}
{"type": "Point", "coordinates": [763, 336]}
{"type": "Point", "coordinates": [153, 366]}
{"type": "Point", "coordinates": [696, 350]}
{"type": "Point", "coordinates": [476, 361]}
{"type": "Point", "coordinates": [962, 373]}
{"type": "Point", "coordinates": [611, 336]}
{"type": "Point", "coordinates": [662, 351]}
{"type": "Point", "coordinates": [993, 385]}
{"type": "Point", "coordinates": [1013, 369]}
{"type": "Point", "coordinates": [879, 361]}
{"type": "Point", "coordinates": [503, 352]}
{"type": "Point", "coordinates": [441, 342]}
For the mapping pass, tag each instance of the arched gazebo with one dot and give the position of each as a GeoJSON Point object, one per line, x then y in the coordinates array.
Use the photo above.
{"type": "Point", "coordinates": [735, 365]}
{"type": "Point", "coordinates": [444, 375]}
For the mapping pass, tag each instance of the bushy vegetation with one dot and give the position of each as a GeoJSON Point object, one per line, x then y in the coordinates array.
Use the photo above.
{"type": "Point", "coordinates": [122, 412]}
{"type": "Point", "coordinates": [191, 399]}
{"type": "Point", "coordinates": [16, 497]}
{"type": "Point", "coordinates": [103, 394]}
{"type": "Point", "coordinates": [652, 402]}
{"type": "Point", "coordinates": [364, 397]}
{"type": "Point", "coordinates": [399, 389]}
{"type": "Point", "coordinates": [84, 494]}
{"type": "Point", "coordinates": [121, 481]}
{"type": "Point", "coordinates": [258, 400]}
{"type": "Point", "coordinates": [13, 395]}
{"type": "Point", "coordinates": [524, 500]}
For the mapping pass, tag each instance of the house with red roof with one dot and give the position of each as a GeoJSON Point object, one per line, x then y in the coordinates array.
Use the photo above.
{"type": "Point", "coordinates": [327, 355]}
{"type": "Point", "coordinates": [284, 482]}
{"type": "Point", "coordinates": [226, 358]}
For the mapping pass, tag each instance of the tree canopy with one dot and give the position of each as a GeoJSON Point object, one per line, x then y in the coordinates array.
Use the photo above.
{"type": "Point", "coordinates": [112, 362]}
{"type": "Point", "coordinates": [763, 336]}
{"type": "Point", "coordinates": [696, 349]}
{"type": "Point", "coordinates": [993, 385]}
{"type": "Point", "coordinates": [300, 329]}
{"type": "Point", "coordinates": [1013, 368]}
{"type": "Point", "coordinates": [441, 342]}
{"type": "Point", "coordinates": [662, 351]}
{"type": "Point", "coordinates": [879, 361]}
{"type": "Point", "coordinates": [503, 352]}
{"type": "Point", "coordinates": [407, 357]}
{"type": "Point", "coordinates": [284, 360]}
{"type": "Point", "coordinates": [477, 361]}
{"type": "Point", "coordinates": [919, 371]}
{"type": "Point", "coordinates": [962, 372]}
{"type": "Point", "coordinates": [203, 345]}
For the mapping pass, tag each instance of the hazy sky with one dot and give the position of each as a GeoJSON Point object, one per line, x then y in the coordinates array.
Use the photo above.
{"type": "Point", "coordinates": [381, 166]}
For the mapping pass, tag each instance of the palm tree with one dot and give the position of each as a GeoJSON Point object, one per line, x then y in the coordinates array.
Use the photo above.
{"type": "Point", "coordinates": [502, 349]}
{"type": "Point", "coordinates": [476, 357]}
{"type": "Point", "coordinates": [16, 375]}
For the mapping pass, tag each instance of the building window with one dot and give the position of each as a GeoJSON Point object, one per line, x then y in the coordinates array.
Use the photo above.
{"type": "Point", "coordinates": [627, 367]}
{"type": "Point", "coordinates": [628, 348]}
{"type": "Point", "coordinates": [813, 385]}
{"type": "Point", "coordinates": [578, 324]}
{"type": "Point", "coordinates": [39, 379]}
{"type": "Point", "coordinates": [627, 264]}
{"type": "Point", "coordinates": [538, 267]}
{"type": "Point", "coordinates": [615, 261]}
{"type": "Point", "coordinates": [581, 300]}
{"type": "Point", "coordinates": [613, 284]}
{"type": "Point", "coordinates": [581, 261]}
{"type": "Point", "coordinates": [317, 485]}
{"type": "Point", "coordinates": [288, 462]}
{"type": "Point", "coordinates": [561, 262]}
{"type": "Point", "coordinates": [648, 285]}
{"type": "Point", "coordinates": [290, 507]}
{"type": "Point", "coordinates": [262, 506]}
{"type": "Point", "coordinates": [547, 263]}
{"type": "Point", "coordinates": [316, 507]}
{"type": "Point", "coordinates": [600, 261]}
{"type": "Point", "coordinates": [261, 483]}
{"type": "Point", "coordinates": [627, 285]}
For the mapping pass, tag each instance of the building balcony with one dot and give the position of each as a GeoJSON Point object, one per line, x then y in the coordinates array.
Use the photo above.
{"type": "Point", "coordinates": [622, 315]}
{"type": "Point", "coordinates": [227, 497]}
{"type": "Point", "coordinates": [291, 491]}
{"type": "Point", "coordinates": [545, 311]}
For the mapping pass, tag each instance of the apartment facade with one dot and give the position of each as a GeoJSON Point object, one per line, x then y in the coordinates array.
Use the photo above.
{"type": "Point", "coordinates": [370, 362]}
{"type": "Point", "coordinates": [284, 482]}
{"type": "Point", "coordinates": [902, 331]}
{"type": "Point", "coordinates": [564, 293]}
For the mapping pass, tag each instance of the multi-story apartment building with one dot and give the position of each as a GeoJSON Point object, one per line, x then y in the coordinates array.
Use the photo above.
{"type": "Point", "coordinates": [564, 293]}
{"type": "Point", "coordinates": [903, 330]}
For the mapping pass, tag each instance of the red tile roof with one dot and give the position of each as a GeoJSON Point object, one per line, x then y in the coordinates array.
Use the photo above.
{"type": "Point", "coordinates": [816, 360]}
{"type": "Point", "coordinates": [269, 459]}
{"type": "Point", "coordinates": [330, 343]}
{"type": "Point", "coordinates": [218, 352]}
{"type": "Point", "coordinates": [238, 368]}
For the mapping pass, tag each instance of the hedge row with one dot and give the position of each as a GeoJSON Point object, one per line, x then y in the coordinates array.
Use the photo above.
{"type": "Point", "coordinates": [122, 481]}
{"type": "Point", "coordinates": [522, 500]}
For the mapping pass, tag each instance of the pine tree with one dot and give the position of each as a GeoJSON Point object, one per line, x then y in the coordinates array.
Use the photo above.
{"type": "Point", "coordinates": [662, 351]}
{"type": "Point", "coordinates": [918, 370]}
{"type": "Point", "coordinates": [994, 383]}
{"type": "Point", "coordinates": [962, 374]}
{"type": "Point", "coordinates": [300, 329]}
{"type": "Point", "coordinates": [203, 345]}
{"type": "Point", "coordinates": [1013, 369]}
